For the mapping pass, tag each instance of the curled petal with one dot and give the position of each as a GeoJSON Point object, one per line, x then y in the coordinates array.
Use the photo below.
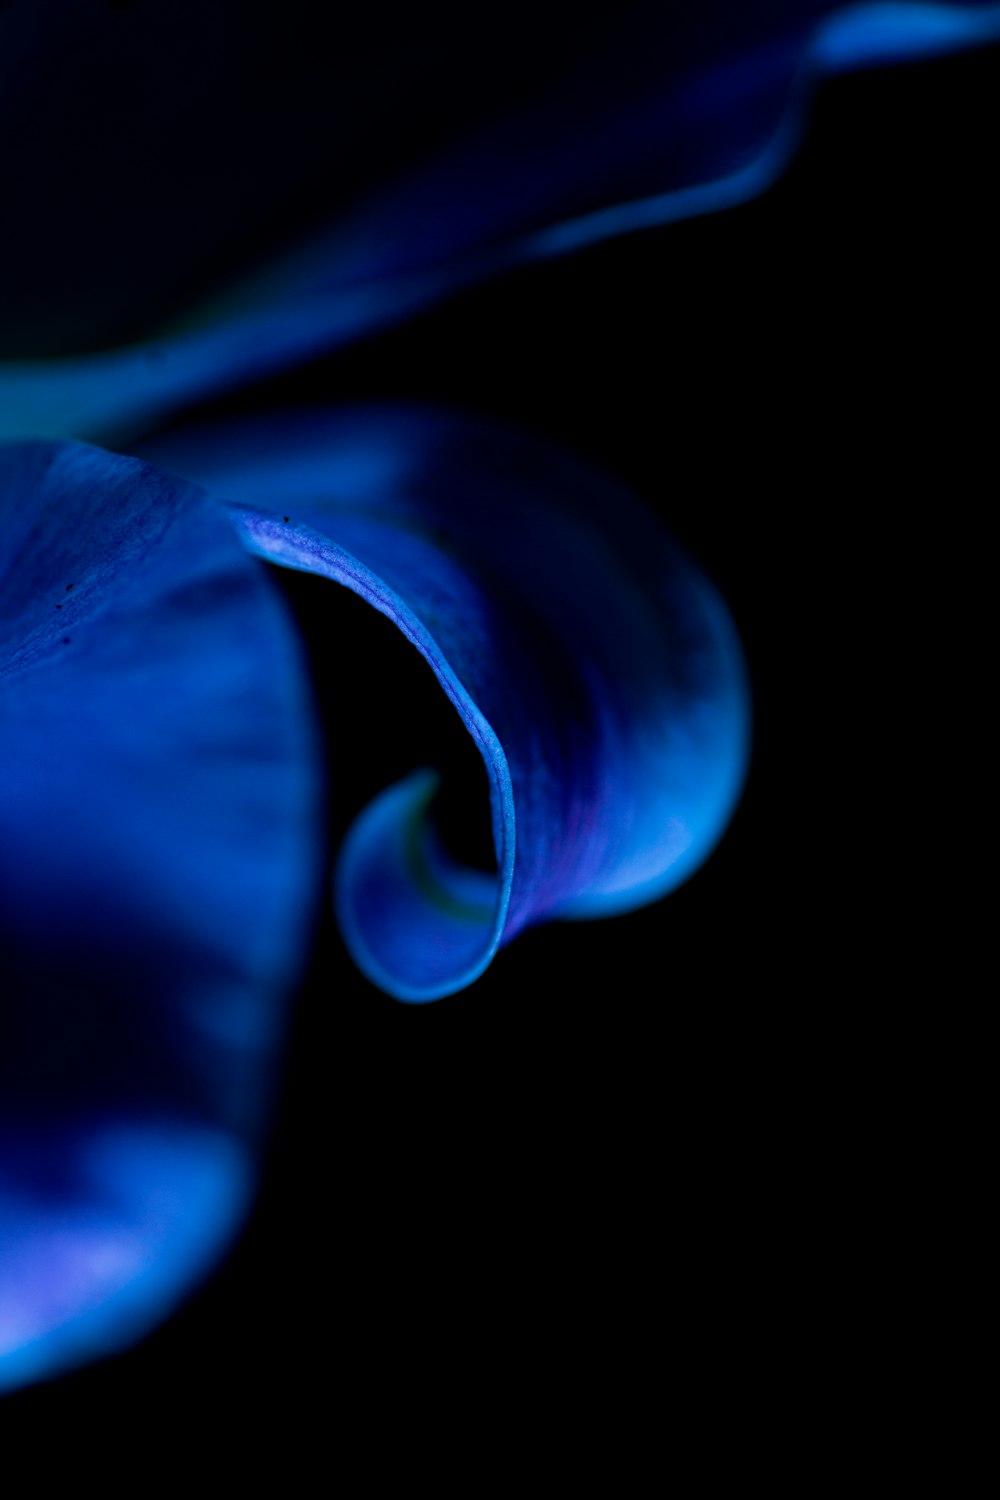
{"type": "Point", "coordinates": [651, 114]}
{"type": "Point", "coordinates": [158, 797]}
{"type": "Point", "coordinates": [595, 668]}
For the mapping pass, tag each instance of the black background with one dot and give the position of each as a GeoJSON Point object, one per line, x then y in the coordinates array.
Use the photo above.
{"type": "Point", "coordinates": [674, 1136]}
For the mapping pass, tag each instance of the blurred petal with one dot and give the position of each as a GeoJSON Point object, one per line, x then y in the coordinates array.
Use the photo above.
{"type": "Point", "coordinates": [595, 668]}
{"type": "Point", "coordinates": [158, 807]}
{"type": "Point", "coordinates": [431, 162]}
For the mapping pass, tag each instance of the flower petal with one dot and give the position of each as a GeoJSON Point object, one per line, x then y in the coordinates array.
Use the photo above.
{"type": "Point", "coordinates": [158, 856]}
{"type": "Point", "coordinates": [660, 113]}
{"type": "Point", "coordinates": [595, 668]}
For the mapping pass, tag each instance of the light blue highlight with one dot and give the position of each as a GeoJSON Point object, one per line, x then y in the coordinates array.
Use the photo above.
{"type": "Point", "coordinates": [875, 35]}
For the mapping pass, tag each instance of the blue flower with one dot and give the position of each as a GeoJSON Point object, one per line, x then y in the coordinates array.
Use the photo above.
{"type": "Point", "coordinates": [160, 803]}
{"type": "Point", "coordinates": [363, 172]}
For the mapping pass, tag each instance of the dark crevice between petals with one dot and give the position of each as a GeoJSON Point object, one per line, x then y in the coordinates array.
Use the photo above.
{"type": "Point", "coordinates": [382, 713]}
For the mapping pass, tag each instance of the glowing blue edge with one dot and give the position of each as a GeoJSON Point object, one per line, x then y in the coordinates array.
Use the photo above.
{"type": "Point", "coordinates": [268, 537]}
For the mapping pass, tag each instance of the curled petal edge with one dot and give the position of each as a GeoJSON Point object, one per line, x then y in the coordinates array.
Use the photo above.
{"type": "Point", "coordinates": [595, 668]}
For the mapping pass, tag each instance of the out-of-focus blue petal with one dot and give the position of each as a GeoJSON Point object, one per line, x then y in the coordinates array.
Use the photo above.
{"type": "Point", "coordinates": [889, 31]}
{"type": "Point", "coordinates": [158, 858]}
{"type": "Point", "coordinates": [595, 668]}
{"type": "Point", "coordinates": [661, 113]}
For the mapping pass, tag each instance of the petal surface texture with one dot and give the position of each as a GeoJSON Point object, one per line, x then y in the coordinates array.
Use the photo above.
{"type": "Point", "coordinates": [159, 801]}
{"type": "Point", "coordinates": [341, 182]}
{"type": "Point", "coordinates": [595, 668]}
